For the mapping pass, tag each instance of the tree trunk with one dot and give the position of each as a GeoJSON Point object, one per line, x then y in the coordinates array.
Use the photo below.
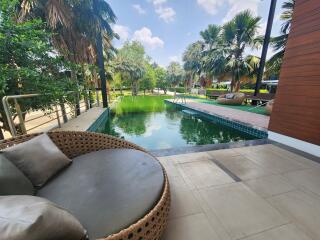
{"type": "Point", "coordinates": [63, 111]}
{"type": "Point", "coordinates": [237, 86]}
{"type": "Point", "coordinates": [77, 97]}
{"type": "Point", "coordinates": [134, 88]}
{"type": "Point", "coordinates": [232, 84]}
{"type": "Point", "coordinates": [121, 90]}
{"type": "Point", "coordinates": [86, 101]}
{"type": "Point", "coordinates": [100, 63]}
{"type": "Point", "coordinates": [144, 92]}
{"type": "Point", "coordinates": [90, 99]}
{"type": "Point", "coordinates": [1, 134]}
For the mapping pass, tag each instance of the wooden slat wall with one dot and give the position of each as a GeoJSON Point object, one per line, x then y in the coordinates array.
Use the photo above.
{"type": "Point", "coordinates": [296, 111]}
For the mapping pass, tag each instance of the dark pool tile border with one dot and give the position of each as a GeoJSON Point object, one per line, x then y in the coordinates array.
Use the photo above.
{"type": "Point", "coordinates": [100, 121]}
{"type": "Point", "coordinates": [241, 126]}
{"type": "Point", "coordinates": [208, 147]}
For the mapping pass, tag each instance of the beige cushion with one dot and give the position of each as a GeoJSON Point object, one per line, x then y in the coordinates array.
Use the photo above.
{"type": "Point", "coordinates": [34, 218]}
{"type": "Point", "coordinates": [39, 159]}
{"type": "Point", "coordinates": [12, 180]}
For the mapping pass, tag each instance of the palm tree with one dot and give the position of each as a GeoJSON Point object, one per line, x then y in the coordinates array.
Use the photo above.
{"type": "Point", "coordinates": [175, 74]}
{"type": "Point", "coordinates": [130, 61]}
{"type": "Point", "coordinates": [83, 28]}
{"type": "Point", "coordinates": [225, 47]}
{"type": "Point", "coordinates": [192, 58]}
{"type": "Point", "coordinates": [279, 43]}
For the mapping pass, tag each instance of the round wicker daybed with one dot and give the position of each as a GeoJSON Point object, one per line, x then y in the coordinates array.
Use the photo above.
{"type": "Point", "coordinates": [231, 98]}
{"type": "Point", "coordinates": [75, 145]}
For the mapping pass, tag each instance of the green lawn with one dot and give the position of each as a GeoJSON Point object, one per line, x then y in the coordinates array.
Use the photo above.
{"type": "Point", "coordinates": [148, 103]}
{"type": "Point", "coordinates": [247, 108]}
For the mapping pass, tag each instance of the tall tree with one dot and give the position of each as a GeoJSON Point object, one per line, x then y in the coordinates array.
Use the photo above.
{"type": "Point", "coordinates": [193, 59]}
{"type": "Point", "coordinates": [279, 43]}
{"type": "Point", "coordinates": [27, 62]}
{"type": "Point", "coordinates": [175, 74]}
{"type": "Point", "coordinates": [161, 79]}
{"type": "Point", "coordinates": [148, 80]}
{"type": "Point", "coordinates": [224, 54]}
{"type": "Point", "coordinates": [131, 60]}
{"type": "Point", "coordinates": [83, 28]}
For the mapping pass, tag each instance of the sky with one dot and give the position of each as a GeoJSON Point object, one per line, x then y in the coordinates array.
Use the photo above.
{"type": "Point", "coordinates": [167, 27]}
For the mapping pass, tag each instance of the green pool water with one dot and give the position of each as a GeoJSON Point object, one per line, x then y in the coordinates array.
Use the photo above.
{"type": "Point", "coordinates": [170, 128]}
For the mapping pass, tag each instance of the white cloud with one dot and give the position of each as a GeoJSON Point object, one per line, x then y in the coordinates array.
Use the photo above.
{"type": "Point", "coordinates": [139, 9]}
{"type": "Point", "coordinates": [144, 35]}
{"type": "Point", "coordinates": [234, 7]}
{"type": "Point", "coordinates": [210, 6]}
{"type": "Point", "coordinates": [166, 13]}
{"type": "Point", "coordinates": [122, 31]}
{"type": "Point", "coordinates": [237, 6]}
{"type": "Point", "coordinates": [158, 2]}
{"type": "Point", "coordinates": [174, 59]}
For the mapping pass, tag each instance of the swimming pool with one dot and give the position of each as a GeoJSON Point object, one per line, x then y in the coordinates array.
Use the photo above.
{"type": "Point", "coordinates": [171, 128]}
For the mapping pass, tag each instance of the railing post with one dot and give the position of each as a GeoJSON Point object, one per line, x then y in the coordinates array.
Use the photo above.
{"type": "Point", "coordinates": [58, 116]}
{"type": "Point", "coordinates": [12, 127]}
{"type": "Point", "coordinates": [90, 96]}
{"type": "Point", "coordinates": [21, 120]}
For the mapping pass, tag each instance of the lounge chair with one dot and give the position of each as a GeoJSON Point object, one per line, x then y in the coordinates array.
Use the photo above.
{"type": "Point", "coordinates": [231, 99]}
{"type": "Point", "coordinates": [113, 187]}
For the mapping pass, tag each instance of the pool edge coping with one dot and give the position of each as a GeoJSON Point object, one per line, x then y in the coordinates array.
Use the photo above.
{"type": "Point", "coordinates": [263, 133]}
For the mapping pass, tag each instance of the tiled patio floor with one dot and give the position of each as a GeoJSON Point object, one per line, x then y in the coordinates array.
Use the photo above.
{"type": "Point", "coordinates": [277, 197]}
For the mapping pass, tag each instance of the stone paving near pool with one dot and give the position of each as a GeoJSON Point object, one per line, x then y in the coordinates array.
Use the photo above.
{"type": "Point", "coordinates": [276, 195]}
{"type": "Point", "coordinates": [252, 119]}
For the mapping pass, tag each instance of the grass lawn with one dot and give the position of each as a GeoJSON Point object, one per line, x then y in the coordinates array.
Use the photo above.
{"type": "Point", "coordinates": [247, 108]}
{"type": "Point", "coordinates": [148, 103]}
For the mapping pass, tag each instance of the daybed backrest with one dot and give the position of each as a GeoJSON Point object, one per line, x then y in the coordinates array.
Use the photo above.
{"type": "Point", "coordinates": [74, 144]}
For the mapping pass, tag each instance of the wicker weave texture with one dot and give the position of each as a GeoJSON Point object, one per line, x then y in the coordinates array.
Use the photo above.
{"type": "Point", "coordinates": [74, 144]}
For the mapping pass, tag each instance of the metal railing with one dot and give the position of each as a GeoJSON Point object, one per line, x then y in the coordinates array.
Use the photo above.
{"type": "Point", "coordinates": [68, 111]}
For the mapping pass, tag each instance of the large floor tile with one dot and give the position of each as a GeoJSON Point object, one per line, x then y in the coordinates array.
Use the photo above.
{"type": "Point", "coordinates": [213, 218]}
{"type": "Point", "coordinates": [243, 167]}
{"type": "Point", "coordinates": [306, 179]}
{"type": "Point", "coordinates": [183, 202]}
{"type": "Point", "coordinates": [285, 232]}
{"type": "Point", "coordinates": [170, 166]}
{"type": "Point", "coordinates": [269, 186]}
{"type": "Point", "coordinates": [250, 149]}
{"type": "Point", "coordinates": [274, 162]}
{"type": "Point", "coordinates": [285, 153]}
{"type": "Point", "coordinates": [301, 208]}
{"type": "Point", "coordinates": [241, 211]}
{"type": "Point", "coordinates": [193, 227]}
{"type": "Point", "coordinates": [202, 174]}
{"type": "Point", "coordinates": [223, 153]}
{"type": "Point", "coordinates": [190, 157]}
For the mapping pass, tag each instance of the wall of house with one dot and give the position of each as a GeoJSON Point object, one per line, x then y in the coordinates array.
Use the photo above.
{"type": "Point", "coordinates": [296, 111]}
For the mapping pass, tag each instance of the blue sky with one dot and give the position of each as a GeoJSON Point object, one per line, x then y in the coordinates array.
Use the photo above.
{"type": "Point", "coordinates": [167, 27]}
